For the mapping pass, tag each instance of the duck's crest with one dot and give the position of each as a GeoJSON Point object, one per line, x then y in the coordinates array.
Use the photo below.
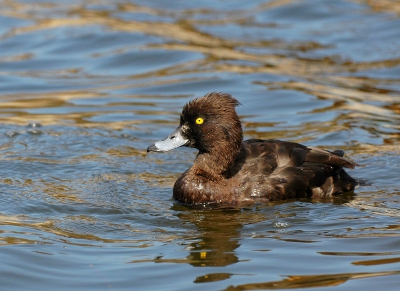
{"type": "Point", "coordinates": [211, 103]}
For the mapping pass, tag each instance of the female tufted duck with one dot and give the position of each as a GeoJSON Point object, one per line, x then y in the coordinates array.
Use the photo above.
{"type": "Point", "coordinates": [231, 172]}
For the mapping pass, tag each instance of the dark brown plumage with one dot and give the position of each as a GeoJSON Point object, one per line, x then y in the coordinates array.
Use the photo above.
{"type": "Point", "coordinates": [231, 172]}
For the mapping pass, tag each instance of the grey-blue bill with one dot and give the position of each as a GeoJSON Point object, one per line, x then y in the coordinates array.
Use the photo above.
{"type": "Point", "coordinates": [172, 141]}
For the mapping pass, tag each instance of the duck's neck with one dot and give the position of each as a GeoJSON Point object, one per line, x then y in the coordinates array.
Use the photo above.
{"type": "Point", "coordinates": [216, 164]}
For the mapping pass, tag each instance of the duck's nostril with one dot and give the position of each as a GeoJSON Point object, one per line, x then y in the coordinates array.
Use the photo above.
{"type": "Point", "coordinates": [172, 137]}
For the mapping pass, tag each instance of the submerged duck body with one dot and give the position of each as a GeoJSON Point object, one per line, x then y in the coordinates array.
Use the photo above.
{"type": "Point", "coordinates": [231, 172]}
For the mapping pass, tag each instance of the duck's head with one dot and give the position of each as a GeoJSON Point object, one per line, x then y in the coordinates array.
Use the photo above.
{"type": "Point", "coordinates": [208, 123]}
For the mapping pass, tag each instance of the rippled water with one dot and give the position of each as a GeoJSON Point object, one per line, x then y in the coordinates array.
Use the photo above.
{"type": "Point", "coordinates": [86, 86]}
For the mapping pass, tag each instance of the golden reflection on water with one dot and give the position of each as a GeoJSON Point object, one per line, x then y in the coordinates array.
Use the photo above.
{"type": "Point", "coordinates": [309, 281]}
{"type": "Point", "coordinates": [381, 5]}
{"type": "Point", "coordinates": [377, 262]}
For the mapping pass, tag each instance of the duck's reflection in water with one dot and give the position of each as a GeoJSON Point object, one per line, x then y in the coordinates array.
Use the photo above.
{"type": "Point", "coordinates": [221, 230]}
{"type": "Point", "coordinates": [220, 233]}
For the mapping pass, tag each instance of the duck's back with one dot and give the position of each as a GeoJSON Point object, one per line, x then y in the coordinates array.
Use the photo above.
{"type": "Point", "coordinates": [275, 170]}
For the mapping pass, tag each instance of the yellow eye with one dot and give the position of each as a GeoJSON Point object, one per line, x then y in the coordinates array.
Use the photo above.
{"type": "Point", "coordinates": [199, 120]}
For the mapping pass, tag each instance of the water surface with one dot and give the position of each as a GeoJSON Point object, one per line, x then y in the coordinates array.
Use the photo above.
{"type": "Point", "coordinates": [86, 86]}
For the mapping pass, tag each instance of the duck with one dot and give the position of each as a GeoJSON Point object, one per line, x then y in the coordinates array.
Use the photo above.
{"type": "Point", "coordinates": [230, 172]}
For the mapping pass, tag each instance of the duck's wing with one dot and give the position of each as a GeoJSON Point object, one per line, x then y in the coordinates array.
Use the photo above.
{"type": "Point", "coordinates": [290, 154]}
{"type": "Point", "coordinates": [293, 170]}
{"type": "Point", "coordinates": [335, 158]}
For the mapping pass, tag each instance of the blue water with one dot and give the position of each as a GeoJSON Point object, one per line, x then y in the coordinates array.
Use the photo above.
{"type": "Point", "coordinates": [85, 87]}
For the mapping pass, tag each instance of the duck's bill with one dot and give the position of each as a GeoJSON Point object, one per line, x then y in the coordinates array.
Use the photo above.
{"type": "Point", "coordinates": [174, 140]}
